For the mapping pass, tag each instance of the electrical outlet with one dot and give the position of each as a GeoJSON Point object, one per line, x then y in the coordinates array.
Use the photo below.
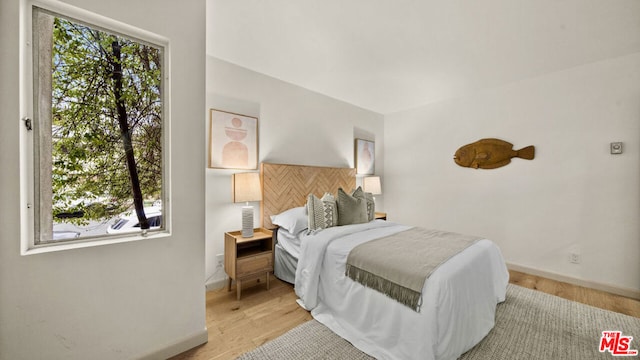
{"type": "Point", "coordinates": [616, 148]}
{"type": "Point", "coordinates": [574, 258]}
{"type": "Point", "coordinates": [219, 260]}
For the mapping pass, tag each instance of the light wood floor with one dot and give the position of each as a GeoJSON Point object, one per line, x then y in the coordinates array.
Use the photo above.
{"type": "Point", "coordinates": [236, 327]}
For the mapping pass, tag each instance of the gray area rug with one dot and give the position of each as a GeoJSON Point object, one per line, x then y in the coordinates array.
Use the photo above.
{"type": "Point", "coordinates": [529, 325]}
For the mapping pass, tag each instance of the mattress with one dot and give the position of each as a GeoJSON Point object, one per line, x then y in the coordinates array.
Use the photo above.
{"type": "Point", "coordinates": [458, 299]}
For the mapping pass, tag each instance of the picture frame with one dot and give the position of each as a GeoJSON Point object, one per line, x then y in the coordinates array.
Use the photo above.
{"type": "Point", "coordinates": [233, 140]}
{"type": "Point", "coordinates": [365, 157]}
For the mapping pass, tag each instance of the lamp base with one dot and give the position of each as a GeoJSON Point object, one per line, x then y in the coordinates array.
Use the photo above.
{"type": "Point", "coordinates": [247, 221]}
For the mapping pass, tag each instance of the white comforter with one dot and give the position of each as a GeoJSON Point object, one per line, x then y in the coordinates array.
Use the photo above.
{"type": "Point", "coordinates": [458, 300]}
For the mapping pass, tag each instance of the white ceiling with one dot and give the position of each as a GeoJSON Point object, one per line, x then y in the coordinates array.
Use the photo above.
{"type": "Point", "coordinates": [392, 55]}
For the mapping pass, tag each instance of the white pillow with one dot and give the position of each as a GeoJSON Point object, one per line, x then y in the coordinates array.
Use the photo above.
{"type": "Point", "coordinates": [293, 220]}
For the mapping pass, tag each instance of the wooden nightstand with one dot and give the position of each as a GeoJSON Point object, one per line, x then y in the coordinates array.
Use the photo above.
{"type": "Point", "coordinates": [248, 258]}
{"type": "Point", "coordinates": [381, 215]}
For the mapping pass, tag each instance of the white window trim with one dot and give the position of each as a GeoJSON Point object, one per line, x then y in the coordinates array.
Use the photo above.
{"type": "Point", "coordinates": [28, 245]}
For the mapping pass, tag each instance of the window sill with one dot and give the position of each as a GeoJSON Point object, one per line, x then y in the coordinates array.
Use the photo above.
{"type": "Point", "coordinates": [31, 249]}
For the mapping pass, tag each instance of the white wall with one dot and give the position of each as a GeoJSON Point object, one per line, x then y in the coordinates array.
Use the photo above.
{"type": "Point", "coordinates": [573, 197]}
{"type": "Point", "coordinates": [296, 126]}
{"type": "Point", "coordinates": [118, 301]}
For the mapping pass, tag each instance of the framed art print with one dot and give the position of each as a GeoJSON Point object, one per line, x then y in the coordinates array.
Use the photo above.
{"type": "Point", "coordinates": [233, 141]}
{"type": "Point", "coordinates": [365, 157]}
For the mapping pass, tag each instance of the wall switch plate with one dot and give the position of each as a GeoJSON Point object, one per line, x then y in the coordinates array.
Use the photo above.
{"type": "Point", "coordinates": [616, 148]}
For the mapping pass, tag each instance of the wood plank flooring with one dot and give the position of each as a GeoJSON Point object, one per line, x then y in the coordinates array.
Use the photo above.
{"type": "Point", "coordinates": [236, 327]}
{"type": "Point", "coordinates": [596, 298]}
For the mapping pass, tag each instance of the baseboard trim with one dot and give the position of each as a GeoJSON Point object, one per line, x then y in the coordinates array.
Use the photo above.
{"type": "Point", "coordinates": [627, 292]}
{"type": "Point", "coordinates": [180, 346]}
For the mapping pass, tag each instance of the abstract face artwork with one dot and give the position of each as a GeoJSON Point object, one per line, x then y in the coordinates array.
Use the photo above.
{"type": "Point", "coordinates": [233, 141]}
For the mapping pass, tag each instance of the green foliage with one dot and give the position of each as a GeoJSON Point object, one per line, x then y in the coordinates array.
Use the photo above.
{"type": "Point", "coordinates": [89, 172]}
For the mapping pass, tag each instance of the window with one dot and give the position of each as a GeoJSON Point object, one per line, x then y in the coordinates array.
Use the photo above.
{"type": "Point", "coordinates": [97, 130]}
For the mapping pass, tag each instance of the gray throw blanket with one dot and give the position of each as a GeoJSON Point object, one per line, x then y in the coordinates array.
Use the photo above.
{"type": "Point", "coordinates": [399, 264]}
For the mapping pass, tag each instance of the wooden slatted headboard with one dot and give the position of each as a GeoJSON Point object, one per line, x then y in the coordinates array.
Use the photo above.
{"type": "Point", "coordinates": [287, 186]}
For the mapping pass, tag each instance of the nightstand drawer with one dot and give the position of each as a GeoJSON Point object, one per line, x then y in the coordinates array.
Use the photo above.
{"type": "Point", "coordinates": [254, 264]}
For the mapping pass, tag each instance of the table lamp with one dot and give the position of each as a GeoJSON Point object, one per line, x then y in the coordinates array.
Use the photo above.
{"type": "Point", "coordinates": [245, 187]}
{"type": "Point", "coordinates": [371, 184]}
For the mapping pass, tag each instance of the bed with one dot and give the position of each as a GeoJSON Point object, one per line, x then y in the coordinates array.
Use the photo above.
{"type": "Point", "coordinates": [458, 300]}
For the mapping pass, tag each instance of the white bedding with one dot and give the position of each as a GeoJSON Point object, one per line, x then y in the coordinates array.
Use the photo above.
{"type": "Point", "coordinates": [290, 242]}
{"type": "Point", "coordinates": [458, 305]}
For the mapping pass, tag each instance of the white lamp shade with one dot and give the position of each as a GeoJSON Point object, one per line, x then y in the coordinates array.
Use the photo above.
{"type": "Point", "coordinates": [246, 187]}
{"type": "Point", "coordinates": [371, 184]}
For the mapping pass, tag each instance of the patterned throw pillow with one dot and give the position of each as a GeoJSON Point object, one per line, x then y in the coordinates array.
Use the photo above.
{"type": "Point", "coordinates": [352, 209]}
{"type": "Point", "coordinates": [330, 210]}
{"type": "Point", "coordinates": [322, 213]}
{"type": "Point", "coordinates": [371, 205]}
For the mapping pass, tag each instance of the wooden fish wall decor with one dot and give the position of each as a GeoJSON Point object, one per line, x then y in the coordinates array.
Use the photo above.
{"type": "Point", "coordinates": [490, 154]}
